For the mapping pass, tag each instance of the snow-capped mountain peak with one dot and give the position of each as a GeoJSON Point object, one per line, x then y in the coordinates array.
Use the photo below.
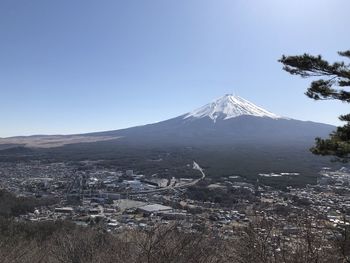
{"type": "Point", "coordinates": [229, 106]}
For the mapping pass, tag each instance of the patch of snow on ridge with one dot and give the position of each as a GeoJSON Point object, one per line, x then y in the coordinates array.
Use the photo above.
{"type": "Point", "coordinates": [230, 106]}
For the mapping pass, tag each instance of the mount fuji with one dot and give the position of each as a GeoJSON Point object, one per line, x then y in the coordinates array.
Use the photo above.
{"type": "Point", "coordinates": [228, 136]}
{"type": "Point", "coordinates": [228, 107]}
{"type": "Point", "coordinates": [227, 120]}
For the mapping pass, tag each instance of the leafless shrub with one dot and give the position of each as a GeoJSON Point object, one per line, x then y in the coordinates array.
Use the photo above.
{"type": "Point", "coordinates": [260, 242]}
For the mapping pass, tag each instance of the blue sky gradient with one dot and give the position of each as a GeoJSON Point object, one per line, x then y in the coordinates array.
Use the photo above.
{"type": "Point", "coordinates": [81, 66]}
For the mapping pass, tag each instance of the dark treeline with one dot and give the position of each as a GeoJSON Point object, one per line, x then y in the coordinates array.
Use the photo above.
{"type": "Point", "coordinates": [11, 205]}
{"type": "Point", "coordinates": [218, 161]}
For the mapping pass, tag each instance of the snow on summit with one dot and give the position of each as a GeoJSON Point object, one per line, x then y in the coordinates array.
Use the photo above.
{"type": "Point", "coordinates": [229, 106]}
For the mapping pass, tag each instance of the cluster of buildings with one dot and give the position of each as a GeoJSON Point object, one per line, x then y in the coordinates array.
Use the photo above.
{"type": "Point", "coordinates": [89, 194]}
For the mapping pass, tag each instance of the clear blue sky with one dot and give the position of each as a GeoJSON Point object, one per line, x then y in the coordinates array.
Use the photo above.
{"type": "Point", "coordinates": [79, 66]}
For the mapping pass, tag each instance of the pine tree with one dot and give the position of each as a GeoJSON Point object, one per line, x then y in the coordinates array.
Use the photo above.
{"type": "Point", "coordinates": [333, 83]}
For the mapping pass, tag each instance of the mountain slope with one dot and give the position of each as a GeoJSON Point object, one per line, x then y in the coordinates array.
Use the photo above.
{"type": "Point", "coordinates": [229, 136]}
{"type": "Point", "coordinates": [227, 120]}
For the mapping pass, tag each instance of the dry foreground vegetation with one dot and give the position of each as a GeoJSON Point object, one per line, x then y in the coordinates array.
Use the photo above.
{"type": "Point", "coordinates": [63, 241]}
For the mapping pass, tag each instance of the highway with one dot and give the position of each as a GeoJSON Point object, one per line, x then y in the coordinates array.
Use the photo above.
{"type": "Point", "coordinates": [158, 190]}
{"type": "Point", "coordinates": [170, 187]}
